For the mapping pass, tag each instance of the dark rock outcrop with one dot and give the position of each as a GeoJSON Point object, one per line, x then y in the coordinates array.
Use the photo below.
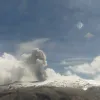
{"type": "Point", "coordinates": [50, 93]}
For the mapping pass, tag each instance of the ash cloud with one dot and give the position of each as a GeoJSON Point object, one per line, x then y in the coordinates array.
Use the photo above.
{"type": "Point", "coordinates": [36, 63]}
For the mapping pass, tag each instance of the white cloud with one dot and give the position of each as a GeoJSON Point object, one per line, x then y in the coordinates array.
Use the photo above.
{"type": "Point", "coordinates": [7, 63]}
{"type": "Point", "coordinates": [68, 73]}
{"type": "Point", "coordinates": [51, 73]}
{"type": "Point", "coordinates": [97, 78]}
{"type": "Point", "coordinates": [26, 47]}
{"type": "Point", "coordinates": [87, 69]}
{"type": "Point", "coordinates": [74, 61]}
{"type": "Point", "coordinates": [89, 35]}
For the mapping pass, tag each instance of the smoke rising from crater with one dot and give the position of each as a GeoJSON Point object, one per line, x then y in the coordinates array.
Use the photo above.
{"type": "Point", "coordinates": [36, 63]}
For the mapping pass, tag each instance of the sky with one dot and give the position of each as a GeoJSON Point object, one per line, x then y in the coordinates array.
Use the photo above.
{"type": "Point", "coordinates": [67, 30]}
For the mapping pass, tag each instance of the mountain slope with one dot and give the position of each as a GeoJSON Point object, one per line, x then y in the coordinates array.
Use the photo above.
{"type": "Point", "coordinates": [63, 81]}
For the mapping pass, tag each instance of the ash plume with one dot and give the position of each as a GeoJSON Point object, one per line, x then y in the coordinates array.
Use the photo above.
{"type": "Point", "coordinates": [36, 63]}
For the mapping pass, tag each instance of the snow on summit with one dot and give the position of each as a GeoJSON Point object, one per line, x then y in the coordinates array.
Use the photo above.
{"type": "Point", "coordinates": [63, 81]}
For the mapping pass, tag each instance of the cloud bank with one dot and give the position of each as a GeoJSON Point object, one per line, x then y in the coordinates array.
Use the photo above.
{"type": "Point", "coordinates": [91, 70]}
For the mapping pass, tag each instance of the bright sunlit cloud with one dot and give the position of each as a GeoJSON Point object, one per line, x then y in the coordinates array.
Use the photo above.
{"type": "Point", "coordinates": [87, 69]}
